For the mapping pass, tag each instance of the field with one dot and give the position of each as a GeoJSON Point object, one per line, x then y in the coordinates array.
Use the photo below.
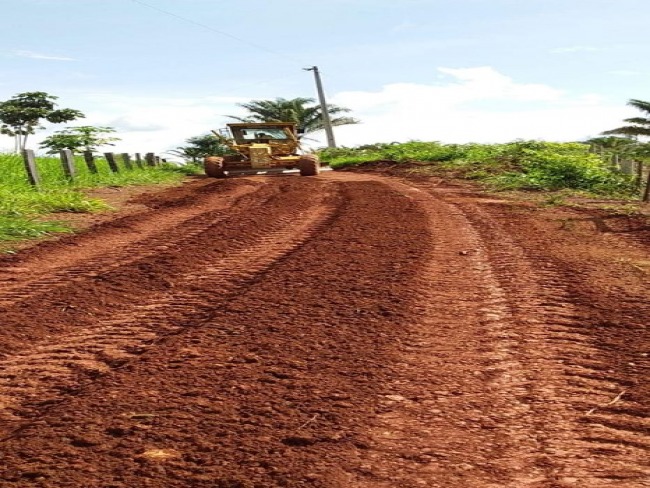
{"type": "Point", "coordinates": [21, 204]}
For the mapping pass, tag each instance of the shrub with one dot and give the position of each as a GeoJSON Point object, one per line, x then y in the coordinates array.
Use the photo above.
{"type": "Point", "coordinates": [530, 165]}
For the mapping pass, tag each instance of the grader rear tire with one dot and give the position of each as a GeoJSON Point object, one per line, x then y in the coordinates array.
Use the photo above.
{"type": "Point", "coordinates": [309, 165]}
{"type": "Point", "coordinates": [213, 166]}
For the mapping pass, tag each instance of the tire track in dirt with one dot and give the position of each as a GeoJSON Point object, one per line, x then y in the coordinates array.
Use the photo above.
{"type": "Point", "coordinates": [118, 244]}
{"type": "Point", "coordinates": [428, 347]}
{"type": "Point", "coordinates": [83, 301]}
{"type": "Point", "coordinates": [590, 443]}
{"type": "Point", "coordinates": [42, 375]}
{"type": "Point", "coordinates": [515, 316]}
{"type": "Point", "coordinates": [271, 389]}
{"type": "Point", "coordinates": [440, 434]}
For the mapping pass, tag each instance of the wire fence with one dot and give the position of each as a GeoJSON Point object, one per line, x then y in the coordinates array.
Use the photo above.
{"type": "Point", "coordinates": [70, 164]}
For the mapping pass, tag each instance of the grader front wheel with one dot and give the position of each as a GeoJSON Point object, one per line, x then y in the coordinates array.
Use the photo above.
{"type": "Point", "coordinates": [213, 166]}
{"type": "Point", "coordinates": [309, 165]}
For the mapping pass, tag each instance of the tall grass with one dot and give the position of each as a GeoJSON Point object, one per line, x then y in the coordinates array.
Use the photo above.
{"type": "Point", "coordinates": [528, 165]}
{"type": "Point", "coordinates": [21, 204]}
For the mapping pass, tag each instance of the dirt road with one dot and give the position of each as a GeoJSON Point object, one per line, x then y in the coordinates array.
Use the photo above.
{"type": "Point", "coordinates": [346, 330]}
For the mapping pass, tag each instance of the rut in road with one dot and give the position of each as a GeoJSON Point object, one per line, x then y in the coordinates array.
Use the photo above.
{"type": "Point", "coordinates": [341, 331]}
{"type": "Point", "coordinates": [520, 394]}
{"type": "Point", "coordinates": [83, 287]}
{"type": "Point", "coordinates": [596, 430]}
{"type": "Point", "coordinates": [272, 388]}
{"type": "Point", "coordinates": [45, 373]}
{"type": "Point", "coordinates": [119, 243]}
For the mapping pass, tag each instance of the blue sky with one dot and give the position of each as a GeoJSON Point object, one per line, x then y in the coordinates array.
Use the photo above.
{"type": "Point", "coordinates": [160, 71]}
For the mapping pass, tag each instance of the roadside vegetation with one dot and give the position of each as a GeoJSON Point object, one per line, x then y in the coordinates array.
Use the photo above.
{"type": "Point", "coordinates": [198, 147]}
{"type": "Point", "coordinates": [520, 165]}
{"type": "Point", "coordinates": [21, 205]}
{"type": "Point", "coordinates": [593, 167]}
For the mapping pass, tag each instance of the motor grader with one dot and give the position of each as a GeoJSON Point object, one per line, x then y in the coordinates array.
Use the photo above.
{"type": "Point", "coordinates": [261, 147]}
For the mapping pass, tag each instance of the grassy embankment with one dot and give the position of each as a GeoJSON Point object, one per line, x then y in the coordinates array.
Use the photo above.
{"type": "Point", "coordinates": [521, 165]}
{"type": "Point", "coordinates": [21, 204]}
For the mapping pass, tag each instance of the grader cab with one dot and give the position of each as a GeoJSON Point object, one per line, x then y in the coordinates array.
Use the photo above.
{"type": "Point", "coordinates": [261, 147]}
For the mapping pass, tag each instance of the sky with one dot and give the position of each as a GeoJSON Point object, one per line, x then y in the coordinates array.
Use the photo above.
{"type": "Point", "coordinates": [455, 71]}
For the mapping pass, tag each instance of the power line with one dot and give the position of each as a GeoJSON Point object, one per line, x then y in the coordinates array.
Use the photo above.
{"type": "Point", "coordinates": [226, 34]}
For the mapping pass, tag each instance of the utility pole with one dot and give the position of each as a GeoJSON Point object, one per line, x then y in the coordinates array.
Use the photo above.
{"type": "Point", "coordinates": [327, 122]}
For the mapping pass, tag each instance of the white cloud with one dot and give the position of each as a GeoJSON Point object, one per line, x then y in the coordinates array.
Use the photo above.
{"type": "Point", "coordinates": [146, 124]}
{"type": "Point", "coordinates": [134, 123]}
{"type": "Point", "coordinates": [486, 82]}
{"type": "Point", "coordinates": [35, 55]}
{"type": "Point", "coordinates": [473, 105]}
{"type": "Point", "coordinates": [464, 105]}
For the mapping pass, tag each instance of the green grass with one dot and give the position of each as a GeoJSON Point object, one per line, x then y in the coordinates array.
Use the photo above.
{"type": "Point", "coordinates": [21, 204]}
{"type": "Point", "coordinates": [17, 228]}
{"type": "Point", "coordinates": [398, 152]}
{"type": "Point", "coordinates": [520, 165]}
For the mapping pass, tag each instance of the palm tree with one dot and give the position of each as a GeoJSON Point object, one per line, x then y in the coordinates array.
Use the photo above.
{"type": "Point", "coordinates": [199, 147]}
{"type": "Point", "coordinates": [308, 118]}
{"type": "Point", "coordinates": [640, 125]}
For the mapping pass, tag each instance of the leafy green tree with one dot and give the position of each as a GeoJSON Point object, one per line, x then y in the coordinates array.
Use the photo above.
{"type": "Point", "coordinates": [639, 126]}
{"type": "Point", "coordinates": [78, 139]}
{"type": "Point", "coordinates": [301, 111]}
{"type": "Point", "coordinates": [22, 114]}
{"type": "Point", "coordinates": [200, 146]}
{"type": "Point", "coordinates": [641, 151]}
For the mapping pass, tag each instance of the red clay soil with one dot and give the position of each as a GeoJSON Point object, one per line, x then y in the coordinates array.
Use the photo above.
{"type": "Point", "coordinates": [345, 330]}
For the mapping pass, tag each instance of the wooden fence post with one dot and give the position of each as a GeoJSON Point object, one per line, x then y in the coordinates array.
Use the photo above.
{"type": "Point", "coordinates": [627, 166]}
{"type": "Point", "coordinates": [110, 159]}
{"type": "Point", "coordinates": [31, 168]}
{"type": "Point", "coordinates": [138, 160]}
{"type": "Point", "coordinates": [126, 159]}
{"type": "Point", "coordinates": [150, 158]}
{"type": "Point", "coordinates": [646, 193]}
{"type": "Point", "coordinates": [90, 161]}
{"type": "Point", "coordinates": [67, 161]}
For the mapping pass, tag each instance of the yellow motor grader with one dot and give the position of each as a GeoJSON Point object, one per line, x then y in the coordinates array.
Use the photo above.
{"type": "Point", "coordinates": [261, 147]}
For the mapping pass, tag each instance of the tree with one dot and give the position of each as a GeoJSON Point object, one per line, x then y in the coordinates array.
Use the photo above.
{"type": "Point", "coordinates": [613, 148]}
{"type": "Point", "coordinates": [21, 115]}
{"type": "Point", "coordinates": [201, 146]}
{"type": "Point", "coordinates": [640, 126]}
{"type": "Point", "coordinates": [78, 139]}
{"type": "Point", "coordinates": [308, 118]}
